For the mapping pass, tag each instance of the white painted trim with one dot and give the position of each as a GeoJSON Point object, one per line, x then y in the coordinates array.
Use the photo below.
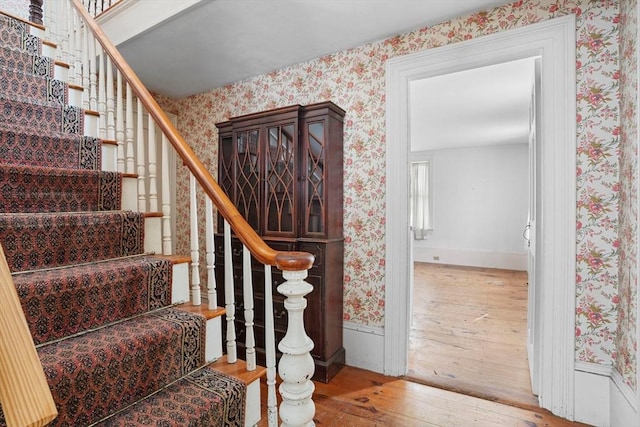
{"type": "Point", "coordinates": [554, 41]}
{"type": "Point", "coordinates": [624, 403]}
{"type": "Point", "coordinates": [131, 18]}
{"type": "Point", "coordinates": [360, 343]}
{"type": "Point", "coordinates": [180, 283]}
{"type": "Point", "coordinates": [470, 257]}
{"type": "Point", "coordinates": [592, 398]}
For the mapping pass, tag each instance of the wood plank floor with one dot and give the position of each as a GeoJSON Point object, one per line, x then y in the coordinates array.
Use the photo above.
{"type": "Point", "coordinates": [468, 332]}
{"type": "Point", "coordinates": [468, 335]}
{"type": "Point", "coordinates": [360, 398]}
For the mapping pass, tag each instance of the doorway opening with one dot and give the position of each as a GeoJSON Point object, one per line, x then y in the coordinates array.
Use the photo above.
{"type": "Point", "coordinates": [475, 129]}
{"type": "Point", "coordinates": [554, 303]}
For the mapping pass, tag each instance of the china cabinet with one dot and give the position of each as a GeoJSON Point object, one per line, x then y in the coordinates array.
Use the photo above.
{"type": "Point", "coordinates": [283, 171]}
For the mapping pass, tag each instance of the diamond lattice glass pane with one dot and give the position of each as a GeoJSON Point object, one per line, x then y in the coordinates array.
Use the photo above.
{"type": "Point", "coordinates": [279, 179]}
{"type": "Point", "coordinates": [315, 178]}
{"type": "Point", "coordinates": [248, 176]}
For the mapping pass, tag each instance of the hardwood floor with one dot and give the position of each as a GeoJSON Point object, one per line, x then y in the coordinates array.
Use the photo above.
{"type": "Point", "coordinates": [468, 335]}
{"type": "Point", "coordinates": [359, 398]}
{"type": "Point", "coordinates": [468, 332]}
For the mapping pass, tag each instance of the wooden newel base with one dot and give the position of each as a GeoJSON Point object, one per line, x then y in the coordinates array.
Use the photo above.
{"type": "Point", "coordinates": [296, 365]}
{"type": "Point", "coordinates": [35, 11]}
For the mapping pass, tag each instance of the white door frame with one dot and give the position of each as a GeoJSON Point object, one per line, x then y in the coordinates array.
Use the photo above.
{"type": "Point", "coordinates": [554, 42]}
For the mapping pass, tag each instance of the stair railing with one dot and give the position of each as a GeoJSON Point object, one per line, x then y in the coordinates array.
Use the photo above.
{"type": "Point", "coordinates": [129, 119]}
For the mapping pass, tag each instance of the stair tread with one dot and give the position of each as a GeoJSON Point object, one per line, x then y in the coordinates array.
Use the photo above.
{"type": "Point", "coordinates": [238, 370]}
{"type": "Point", "coordinates": [203, 309]}
{"type": "Point", "coordinates": [189, 402]}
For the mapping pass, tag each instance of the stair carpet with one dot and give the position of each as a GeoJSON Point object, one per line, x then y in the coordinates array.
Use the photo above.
{"type": "Point", "coordinates": [114, 349]}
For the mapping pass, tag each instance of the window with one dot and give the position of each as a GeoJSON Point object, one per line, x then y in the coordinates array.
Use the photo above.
{"type": "Point", "coordinates": [421, 218]}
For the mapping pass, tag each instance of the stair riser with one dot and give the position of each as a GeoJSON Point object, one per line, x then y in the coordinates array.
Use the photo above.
{"type": "Point", "coordinates": [52, 240]}
{"type": "Point", "coordinates": [25, 189]}
{"type": "Point", "coordinates": [18, 60]}
{"type": "Point", "coordinates": [34, 89]}
{"type": "Point", "coordinates": [21, 147]}
{"type": "Point", "coordinates": [63, 302]}
{"type": "Point", "coordinates": [40, 118]}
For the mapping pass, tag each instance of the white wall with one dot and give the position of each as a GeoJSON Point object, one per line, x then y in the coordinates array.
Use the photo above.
{"type": "Point", "coordinates": [480, 202]}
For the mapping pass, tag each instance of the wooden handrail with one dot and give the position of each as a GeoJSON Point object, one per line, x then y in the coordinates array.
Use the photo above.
{"type": "Point", "coordinates": [24, 391]}
{"type": "Point", "coordinates": [260, 250]}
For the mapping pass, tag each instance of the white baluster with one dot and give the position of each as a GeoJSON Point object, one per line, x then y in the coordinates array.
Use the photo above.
{"type": "Point", "coordinates": [102, 95]}
{"type": "Point", "coordinates": [229, 297]}
{"type": "Point", "coordinates": [212, 295]}
{"type": "Point", "coordinates": [270, 349]}
{"type": "Point", "coordinates": [152, 166]}
{"type": "Point", "coordinates": [65, 29]}
{"type": "Point", "coordinates": [247, 292]}
{"type": "Point", "coordinates": [93, 75]}
{"type": "Point", "coordinates": [296, 365]}
{"type": "Point", "coordinates": [128, 136]}
{"type": "Point", "coordinates": [120, 123]}
{"type": "Point", "coordinates": [111, 102]}
{"type": "Point", "coordinates": [141, 160]}
{"type": "Point", "coordinates": [72, 30]}
{"type": "Point", "coordinates": [167, 244]}
{"type": "Point", "coordinates": [52, 25]}
{"type": "Point", "coordinates": [195, 245]}
{"type": "Point", "coordinates": [78, 30]}
{"type": "Point", "coordinates": [85, 67]}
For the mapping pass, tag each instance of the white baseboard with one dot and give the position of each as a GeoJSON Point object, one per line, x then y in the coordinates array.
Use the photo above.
{"type": "Point", "coordinates": [592, 399]}
{"type": "Point", "coordinates": [487, 259]}
{"type": "Point", "coordinates": [364, 346]}
{"type": "Point", "coordinates": [602, 398]}
{"type": "Point", "coordinates": [624, 403]}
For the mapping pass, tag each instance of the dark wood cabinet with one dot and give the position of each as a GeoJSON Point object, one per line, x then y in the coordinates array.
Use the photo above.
{"type": "Point", "coordinates": [283, 171]}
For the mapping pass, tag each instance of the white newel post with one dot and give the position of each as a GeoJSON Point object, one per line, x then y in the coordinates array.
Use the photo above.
{"type": "Point", "coordinates": [296, 365]}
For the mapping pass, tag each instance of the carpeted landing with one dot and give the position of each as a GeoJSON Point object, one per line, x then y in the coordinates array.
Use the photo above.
{"type": "Point", "coordinates": [114, 349]}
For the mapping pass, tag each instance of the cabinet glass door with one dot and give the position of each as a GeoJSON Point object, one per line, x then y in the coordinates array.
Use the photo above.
{"type": "Point", "coordinates": [279, 181]}
{"type": "Point", "coordinates": [314, 181]}
{"type": "Point", "coordinates": [248, 176]}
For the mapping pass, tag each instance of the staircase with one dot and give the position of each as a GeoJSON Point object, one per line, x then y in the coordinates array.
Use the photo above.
{"type": "Point", "coordinates": [115, 345]}
{"type": "Point", "coordinates": [121, 333]}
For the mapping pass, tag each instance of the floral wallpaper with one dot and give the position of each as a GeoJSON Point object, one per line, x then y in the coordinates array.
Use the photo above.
{"type": "Point", "coordinates": [355, 80]}
{"type": "Point", "coordinates": [625, 344]}
{"type": "Point", "coordinates": [18, 8]}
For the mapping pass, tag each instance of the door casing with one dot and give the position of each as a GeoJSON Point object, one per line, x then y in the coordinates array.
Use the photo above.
{"type": "Point", "coordinates": [554, 42]}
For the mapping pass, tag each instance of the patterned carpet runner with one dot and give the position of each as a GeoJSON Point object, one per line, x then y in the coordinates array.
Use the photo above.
{"type": "Point", "coordinates": [114, 350]}
{"type": "Point", "coordinates": [65, 301]}
{"type": "Point", "coordinates": [45, 240]}
{"type": "Point", "coordinates": [64, 151]}
{"type": "Point", "coordinates": [34, 189]}
{"type": "Point", "coordinates": [205, 398]}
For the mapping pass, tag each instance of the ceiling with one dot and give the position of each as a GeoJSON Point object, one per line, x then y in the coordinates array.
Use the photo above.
{"type": "Point", "coordinates": [216, 42]}
{"type": "Point", "coordinates": [478, 107]}
{"type": "Point", "coordinates": [211, 43]}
